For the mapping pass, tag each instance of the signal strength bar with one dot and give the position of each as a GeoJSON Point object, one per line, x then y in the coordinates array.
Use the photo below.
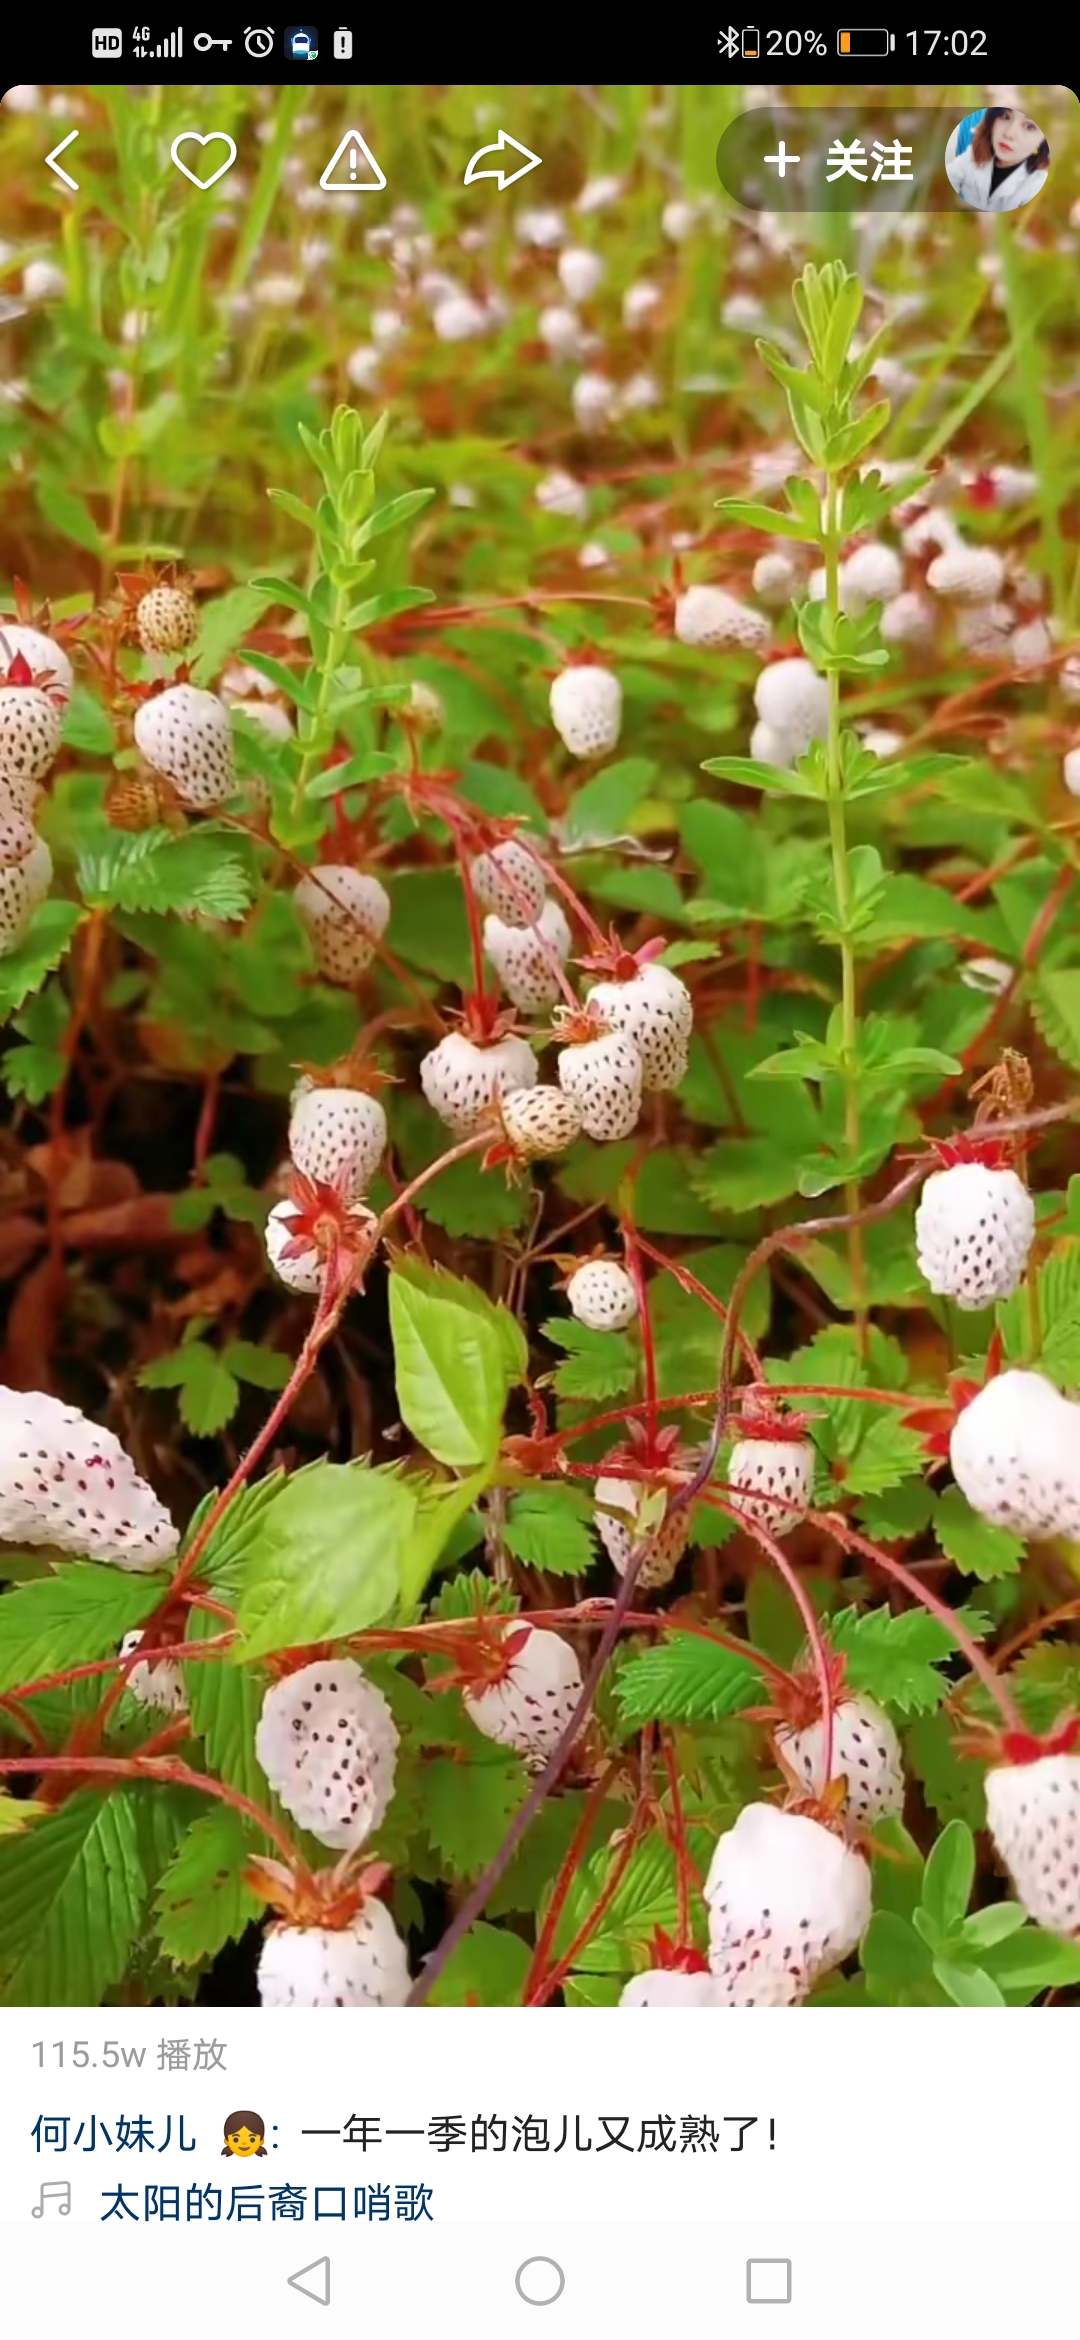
{"type": "Point", "coordinates": [173, 46]}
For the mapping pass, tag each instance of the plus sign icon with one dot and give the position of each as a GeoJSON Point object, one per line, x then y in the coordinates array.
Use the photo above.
{"type": "Point", "coordinates": [782, 161]}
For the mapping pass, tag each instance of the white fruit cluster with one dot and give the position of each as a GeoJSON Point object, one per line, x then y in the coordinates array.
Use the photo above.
{"type": "Point", "coordinates": [337, 1139]}
{"type": "Point", "coordinates": [31, 719]}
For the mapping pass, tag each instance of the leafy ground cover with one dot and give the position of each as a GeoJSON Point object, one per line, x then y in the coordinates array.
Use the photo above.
{"type": "Point", "coordinates": [538, 875]}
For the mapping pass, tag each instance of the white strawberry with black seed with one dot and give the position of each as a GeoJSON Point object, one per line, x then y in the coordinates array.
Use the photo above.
{"type": "Point", "coordinates": [167, 619]}
{"type": "Point", "coordinates": [602, 1295]}
{"type": "Point", "coordinates": [337, 1136]}
{"type": "Point", "coordinates": [157, 1683]}
{"type": "Point", "coordinates": [364, 1964]}
{"type": "Point", "coordinates": [295, 1256]}
{"type": "Point", "coordinates": [770, 1480]}
{"type": "Point", "coordinates": [670, 1986]}
{"type": "Point", "coordinates": [25, 878]}
{"type": "Point", "coordinates": [461, 1078]}
{"type": "Point", "coordinates": [530, 1707]}
{"type": "Point", "coordinates": [789, 1900]}
{"type": "Point", "coordinates": [30, 725]}
{"type": "Point", "coordinates": [586, 709]}
{"type": "Point", "coordinates": [967, 572]}
{"type": "Point", "coordinates": [654, 1009]}
{"type": "Point", "coordinates": [327, 1741]}
{"type": "Point", "coordinates": [510, 882]}
{"type": "Point", "coordinates": [865, 1753]}
{"type": "Point", "coordinates": [708, 618]}
{"type": "Point", "coordinates": [345, 912]}
{"type": "Point", "coordinates": [793, 699]}
{"type": "Point", "coordinates": [1015, 1454]}
{"type": "Point", "coordinates": [602, 1071]}
{"type": "Point", "coordinates": [621, 1534]}
{"type": "Point", "coordinates": [65, 1481]}
{"type": "Point", "coordinates": [185, 735]}
{"type": "Point", "coordinates": [1033, 1810]}
{"type": "Point", "coordinates": [974, 1228]}
{"type": "Point", "coordinates": [43, 656]}
{"type": "Point", "coordinates": [524, 966]}
{"type": "Point", "coordinates": [538, 1122]}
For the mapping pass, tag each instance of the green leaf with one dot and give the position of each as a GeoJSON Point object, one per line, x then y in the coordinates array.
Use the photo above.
{"type": "Point", "coordinates": [892, 1951]}
{"type": "Point", "coordinates": [1054, 999]}
{"type": "Point", "coordinates": [328, 1556]}
{"type": "Point", "coordinates": [948, 1878]}
{"type": "Point", "coordinates": [978, 1548]}
{"type": "Point", "coordinates": [487, 1969]}
{"type": "Point", "coordinates": [602, 809]}
{"type": "Point", "coordinates": [895, 1658]}
{"type": "Point", "coordinates": [953, 1787]}
{"type": "Point", "coordinates": [157, 872]}
{"type": "Point", "coordinates": [685, 1678]}
{"type": "Point", "coordinates": [69, 1619]}
{"type": "Point", "coordinates": [45, 942]}
{"type": "Point", "coordinates": [261, 1367]}
{"type": "Point", "coordinates": [599, 1364]}
{"type": "Point", "coordinates": [72, 1891]}
{"type": "Point", "coordinates": [225, 1702]}
{"type": "Point", "coordinates": [468, 1808]}
{"type": "Point", "coordinates": [745, 772]}
{"type": "Point", "coordinates": [644, 1900]}
{"type": "Point", "coordinates": [770, 523]}
{"type": "Point", "coordinates": [68, 514]}
{"type": "Point", "coordinates": [209, 1393]}
{"type": "Point", "coordinates": [452, 1360]}
{"type": "Point", "coordinates": [967, 1986]}
{"type": "Point", "coordinates": [549, 1528]}
{"type": "Point", "coordinates": [202, 1900]}
{"type": "Point", "coordinates": [1032, 1960]}
{"type": "Point", "coordinates": [227, 1556]}
{"type": "Point", "coordinates": [226, 621]}
{"type": "Point", "coordinates": [985, 1928]}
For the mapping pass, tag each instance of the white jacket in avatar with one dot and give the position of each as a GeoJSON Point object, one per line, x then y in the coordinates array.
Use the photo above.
{"type": "Point", "coordinates": [971, 181]}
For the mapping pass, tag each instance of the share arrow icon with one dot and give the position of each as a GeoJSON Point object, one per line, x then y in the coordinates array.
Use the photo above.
{"type": "Point", "coordinates": [505, 178]}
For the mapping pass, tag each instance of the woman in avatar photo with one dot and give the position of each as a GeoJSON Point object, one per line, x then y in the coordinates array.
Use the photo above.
{"type": "Point", "coordinates": [998, 162]}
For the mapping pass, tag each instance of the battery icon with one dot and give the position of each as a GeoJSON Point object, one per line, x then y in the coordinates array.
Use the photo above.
{"type": "Point", "coordinates": [872, 41]}
{"type": "Point", "coordinates": [751, 41]}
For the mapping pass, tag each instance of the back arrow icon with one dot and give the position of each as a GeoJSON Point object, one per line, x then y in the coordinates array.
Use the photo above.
{"type": "Point", "coordinates": [505, 178]}
{"type": "Point", "coordinates": [51, 163]}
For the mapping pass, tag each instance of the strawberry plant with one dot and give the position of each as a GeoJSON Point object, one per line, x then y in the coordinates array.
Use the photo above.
{"type": "Point", "coordinates": [537, 1455]}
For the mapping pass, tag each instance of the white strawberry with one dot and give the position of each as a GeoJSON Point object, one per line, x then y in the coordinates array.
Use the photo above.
{"type": "Point", "coordinates": [708, 617]}
{"type": "Point", "coordinates": [593, 399]}
{"type": "Point", "coordinates": [42, 655]}
{"type": "Point", "coordinates": [873, 572]}
{"type": "Point", "coordinates": [668, 1986]}
{"type": "Point", "coordinates": [581, 273]}
{"type": "Point", "coordinates": [639, 301]}
{"type": "Point", "coordinates": [345, 912]}
{"type": "Point", "coordinates": [510, 882]}
{"type": "Point", "coordinates": [771, 1480]}
{"type": "Point", "coordinates": [604, 1076]}
{"type": "Point", "coordinates": [461, 1078]}
{"type": "Point", "coordinates": [561, 493]}
{"type": "Point", "coordinates": [621, 1535]}
{"type": "Point", "coordinates": [267, 715]}
{"type": "Point", "coordinates": [586, 709]}
{"type": "Point", "coordinates": [967, 572]}
{"type": "Point", "coordinates": [530, 1708]}
{"type": "Point", "coordinates": [865, 1752]}
{"type": "Point", "coordinates": [985, 628]}
{"type": "Point", "coordinates": [655, 1010]}
{"type": "Point", "coordinates": [185, 734]}
{"type": "Point", "coordinates": [909, 618]}
{"type": "Point", "coordinates": [167, 619]}
{"type": "Point", "coordinates": [1070, 771]}
{"type": "Point", "coordinates": [327, 1742]}
{"type": "Point", "coordinates": [974, 1228]}
{"type": "Point", "coordinates": [304, 1270]}
{"type": "Point", "coordinates": [602, 1295]}
{"type": "Point", "coordinates": [1015, 1454]}
{"type": "Point", "coordinates": [24, 881]}
{"type": "Point", "coordinates": [793, 699]}
{"type": "Point", "coordinates": [788, 1901]}
{"type": "Point", "coordinates": [522, 964]}
{"type": "Point", "coordinates": [64, 1481]}
{"type": "Point", "coordinates": [538, 1122]}
{"type": "Point", "coordinates": [1033, 1809]}
{"type": "Point", "coordinates": [30, 726]}
{"type": "Point", "coordinates": [776, 577]}
{"type": "Point", "coordinates": [337, 1136]}
{"type": "Point", "coordinates": [365, 1964]}
{"type": "Point", "coordinates": [156, 1682]}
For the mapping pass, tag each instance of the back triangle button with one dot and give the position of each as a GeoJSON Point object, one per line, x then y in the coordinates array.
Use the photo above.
{"type": "Point", "coordinates": [313, 2280]}
{"type": "Point", "coordinates": [352, 168]}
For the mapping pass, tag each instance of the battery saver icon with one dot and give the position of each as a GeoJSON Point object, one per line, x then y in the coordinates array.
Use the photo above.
{"type": "Point", "coordinates": [865, 41]}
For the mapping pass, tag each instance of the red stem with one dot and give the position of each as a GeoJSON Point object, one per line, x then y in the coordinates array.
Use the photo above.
{"type": "Point", "coordinates": [980, 1664]}
{"type": "Point", "coordinates": [167, 1772]}
{"type": "Point", "coordinates": [805, 1606]}
{"type": "Point", "coordinates": [172, 1649]}
{"type": "Point", "coordinates": [571, 1860]}
{"type": "Point", "coordinates": [603, 1902]}
{"type": "Point", "coordinates": [701, 1291]}
{"type": "Point", "coordinates": [686, 1877]}
{"type": "Point", "coordinates": [648, 1345]}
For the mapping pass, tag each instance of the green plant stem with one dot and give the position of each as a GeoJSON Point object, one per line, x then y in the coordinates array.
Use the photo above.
{"type": "Point", "coordinates": [842, 885]}
{"type": "Point", "coordinates": [315, 744]}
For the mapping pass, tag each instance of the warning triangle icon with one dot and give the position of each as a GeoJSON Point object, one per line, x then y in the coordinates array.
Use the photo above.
{"type": "Point", "coordinates": [352, 167]}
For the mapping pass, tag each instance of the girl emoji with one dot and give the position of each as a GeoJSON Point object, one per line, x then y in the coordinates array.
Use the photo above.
{"type": "Point", "coordinates": [244, 2136]}
{"type": "Point", "coordinates": [999, 164]}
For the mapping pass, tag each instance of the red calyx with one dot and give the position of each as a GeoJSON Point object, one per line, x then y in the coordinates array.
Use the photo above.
{"type": "Point", "coordinates": [993, 1153]}
{"type": "Point", "coordinates": [619, 963]}
{"type": "Point", "coordinates": [321, 1221]}
{"type": "Point", "coordinates": [1023, 1747]}
{"type": "Point", "coordinates": [982, 493]}
{"type": "Point", "coordinates": [671, 1959]}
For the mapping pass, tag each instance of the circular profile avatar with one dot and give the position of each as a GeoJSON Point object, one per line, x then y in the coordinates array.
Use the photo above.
{"type": "Point", "coordinates": [997, 159]}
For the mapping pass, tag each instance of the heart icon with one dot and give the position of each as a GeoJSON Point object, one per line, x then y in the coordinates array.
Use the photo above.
{"type": "Point", "coordinates": [212, 138]}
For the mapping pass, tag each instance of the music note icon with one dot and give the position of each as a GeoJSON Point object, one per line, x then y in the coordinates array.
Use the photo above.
{"type": "Point", "coordinates": [60, 2192]}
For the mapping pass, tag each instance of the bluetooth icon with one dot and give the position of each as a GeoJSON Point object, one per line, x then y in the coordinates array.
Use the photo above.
{"type": "Point", "coordinates": [730, 42]}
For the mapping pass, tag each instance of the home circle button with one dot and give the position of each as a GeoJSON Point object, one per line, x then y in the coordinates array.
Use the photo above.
{"type": "Point", "coordinates": [540, 2282]}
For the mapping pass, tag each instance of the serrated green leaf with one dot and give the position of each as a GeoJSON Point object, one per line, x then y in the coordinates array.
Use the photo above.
{"type": "Point", "coordinates": [224, 1703]}
{"type": "Point", "coordinates": [202, 1901]}
{"type": "Point", "coordinates": [45, 942]}
{"type": "Point", "coordinates": [72, 1891]}
{"type": "Point", "coordinates": [895, 1657]}
{"type": "Point", "coordinates": [953, 1787]}
{"type": "Point", "coordinates": [976, 1546]}
{"type": "Point", "coordinates": [472, 1594]}
{"type": "Point", "coordinates": [327, 1558]}
{"type": "Point", "coordinates": [261, 1367]}
{"type": "Point", "coordinates": [453, 1367]}
{"type": "Point", "coordinates": [549, 1528]}
{"type": "Point", "coordinates": [685, 1678]}
{"type": "Point", "coordinates": [487, 1969]}
{"type": "Point", "coordinates": [69, 1619]}
{"type": "Point", "coordinates": [599, 1364]}
{"type": "Point", "coordinates": [468, 1808]}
